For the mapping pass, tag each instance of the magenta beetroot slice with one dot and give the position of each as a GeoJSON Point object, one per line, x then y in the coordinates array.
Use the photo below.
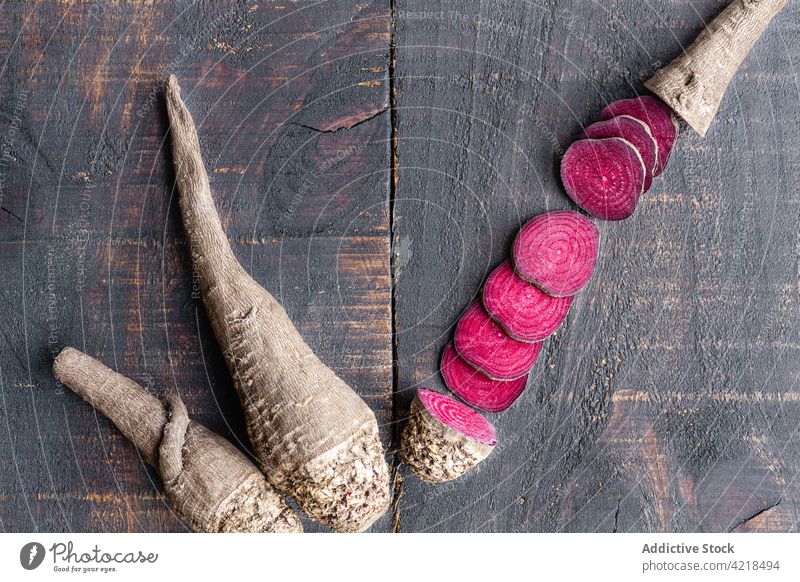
{"type": "Point", "coordinates": [658, 117]}
{"type": "Point", "coordinates": [631, 130]}
{"type": "Point", "coordinates": [477, 389]}
{"type": "Point", "coordinates": [458, 416]}
{"type": "Point", "coordinates": [605, 177]}
{"type": "Point", "coordinates": [557, 252]}
{"type": "Point", "coordinates": [523, 310]}
{"type": "Point", "coordinates": [484, 344]}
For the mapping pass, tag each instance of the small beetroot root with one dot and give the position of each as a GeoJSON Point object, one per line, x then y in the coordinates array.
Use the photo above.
{"type": "Point", "coordinates": [658, 117]}
{"type": "Point", "coordinates": [477, 389]}
{"type": "Point", "coordinates": [206, 479]}
{"type": "Point", "coordinates": [443, 439]}
{"type": "Point", "coordinates": [634, 131]}
{"type": "Point", "coordinates": [484, 344]}
{"type": "Point", "coordinates": [557, 252]}
{"type": "Point", "coordinates": [605, 177]}
{"type": "Point", "coordinates": [694, 83]}
{"type": "Point", "coordinates": [524, 311]}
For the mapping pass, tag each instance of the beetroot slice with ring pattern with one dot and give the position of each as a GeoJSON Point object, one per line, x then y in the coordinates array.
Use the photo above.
{"type": "Point", "coordinates": [657, 115]}
{"type": "Point", "coordinates": [634, 131]}
{"type": "Point", "coordinates": [557, 252]}
{"type": "Point", "coordinates": [482, 343]}
{"type": "Point", "coordinates": [458, 416]}
{"type": "Point", "coordinates": [477, 389]}
{"type": "Point", "coordinates": [524, 311]}
{"type": "Point", "coordinates": [605, 177]}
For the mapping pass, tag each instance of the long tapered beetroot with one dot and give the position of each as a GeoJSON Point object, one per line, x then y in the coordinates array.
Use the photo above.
{"type": "Point", "coordinates": [476, 388]}
{"type": "Point", "coordinates": [316, 438]}
{"type": "Point", "coordinates": [443, 438]}
{"type": "Point", "coordinates": [484, 344]}
{"type": "Point", "coordinates": [524, 311]}
{"type": "Point", "coordinates": [694, 83]}
{"type": "Point", "coordinates": [605, 177]}
{"type": "Point", "coordinates": [208, 480]}
{"type": "Point", "coordinates": [658, 117]}
{"type": "Point", "coordinates": [557, 252]}
{"type": "Point", "coordinates": [634, 131]}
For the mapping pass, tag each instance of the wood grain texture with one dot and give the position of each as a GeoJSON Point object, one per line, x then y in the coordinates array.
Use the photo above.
{"type": "Point", "coordinates": [669, 402]}
{"type": "Point", "coordinates": [289, 101]}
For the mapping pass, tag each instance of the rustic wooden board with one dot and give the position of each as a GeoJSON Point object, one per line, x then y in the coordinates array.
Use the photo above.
{"type": "Point", "coordinates": [93, 245]}
{"type": "Point", "coordinates": [669, 402]}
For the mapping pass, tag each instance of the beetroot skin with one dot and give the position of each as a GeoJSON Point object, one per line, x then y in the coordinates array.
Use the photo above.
{"type": "Point", "coordinates": [524, 311]}
{"type": "Point", "coordinates": [658, 117]}
{"type": "Point", "coordinates": [605, 177]}
{"type": "Point", "coordinates": [484, 344]}
{"type": "Point", "coordinates": [634, 131]}
{"type": "Point", "coordinates": [457, 416]}
{"type": "Point", "coordinates": [477, 389]}
{"type": "Point", "coordinates": [557, 252]}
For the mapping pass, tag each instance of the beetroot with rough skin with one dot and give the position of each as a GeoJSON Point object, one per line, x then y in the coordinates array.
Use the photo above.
{"type": "Point", "coordinates": [524, 311]}
{"type": "Point", "coordinates": [457, 416]}
{"type": "Point", "coordinates": [658, 117]}
{"type": "Point", "coordinates": [634, 131]}
{"type": "Point", "coordinates": [557, 252]}
{"type": "Point", "coordinates": [605, 177]}
{"type": "Point", "coordinates": [477, 389]}
{"type": "Point", "coordinates": [443, 438]}
{"type": "Point", "coordinates": [484, 344]}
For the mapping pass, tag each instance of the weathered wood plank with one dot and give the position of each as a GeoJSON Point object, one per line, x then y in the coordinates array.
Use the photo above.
{"type": "Point", "coordinates": [667, 401]}
{"type": "Point", "coordinates": [290, 100]}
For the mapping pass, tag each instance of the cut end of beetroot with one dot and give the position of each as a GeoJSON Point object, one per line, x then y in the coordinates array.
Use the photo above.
{"type": "Point", "coordinates": [659, 118]}
{"type": "Point", "coordinates": [443, 438]}
{"type": "Point", "coordinates": [477, 389]}
{"type": "Point", "coordinates": [605, 177]}
{"type": "Point", "coordinates": [484, 344]}
{"type": "Point", "coordinates": [458, 416]}
{"type": "Point", "coordinates": [631, 130]}
{"type": "Point", "coordinates": [557, 252]}
{"type": "Point", "coordinates": [524, 311]}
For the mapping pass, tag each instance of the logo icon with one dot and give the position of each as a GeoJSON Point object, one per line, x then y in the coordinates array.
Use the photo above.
{"type": "Point", "coordinates": [31, 555]}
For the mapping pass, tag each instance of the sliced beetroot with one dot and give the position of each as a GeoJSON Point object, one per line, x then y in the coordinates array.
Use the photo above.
{"type": "Point", "coordinates": [557, 252]}
{"type": "Point", "coordinates": [524, 311]}
{"type": "Point", "coordinates": [634, 131]}
{"type": "Point", "coordinates": [458, 416]}
{"type": "Point", "coordinates": [443, 438]}
{"type": "Point", "coordinates": [484, 344]}
{"type": "Point", "coordinates": [658, 117]}
{"type": "Point", "coordinates": [477, 389]}
{"type": "Point", "coordinates": [605, 177]}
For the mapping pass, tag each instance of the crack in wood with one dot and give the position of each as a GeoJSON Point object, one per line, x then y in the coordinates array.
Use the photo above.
{"type": "Point", "coordinates": [359, 121]}
{"type": "Point", "coordinates": [741, 522]}
{"type": "Point", "coordinates": [398, 478]}
{"type": "Point", "coordinates": [7, 211]}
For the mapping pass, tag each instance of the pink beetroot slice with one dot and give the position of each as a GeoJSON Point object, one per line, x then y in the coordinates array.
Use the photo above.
{"type": "Point", "coordinates": [605, 177]}
{"type": "Point", "coordinates": [523, 310]}
{"type": "Point", "coordinates": [658, 117]}
{"type": "Point", "coordinates": [557, 252]}
{"type": "Point", "coordinates": [634, 131]}
{"type": "Point", "coordinates": [477, 389]}
{"type": "Point", "coordinates": [484, 344]}
{"type": "Point", "coordinates": [457, 416]}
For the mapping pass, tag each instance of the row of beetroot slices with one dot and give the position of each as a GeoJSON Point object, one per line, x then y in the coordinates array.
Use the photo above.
{"type": "Point", "coordinates": [613, 164]}
{"type": "Point", "coordinates": [525, 300]}
{"type": "Point", "coordinates": [498, 339]}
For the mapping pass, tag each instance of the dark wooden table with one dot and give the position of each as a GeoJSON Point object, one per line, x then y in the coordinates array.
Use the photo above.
{"type": "Point", "coordinates": [372, 162]}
